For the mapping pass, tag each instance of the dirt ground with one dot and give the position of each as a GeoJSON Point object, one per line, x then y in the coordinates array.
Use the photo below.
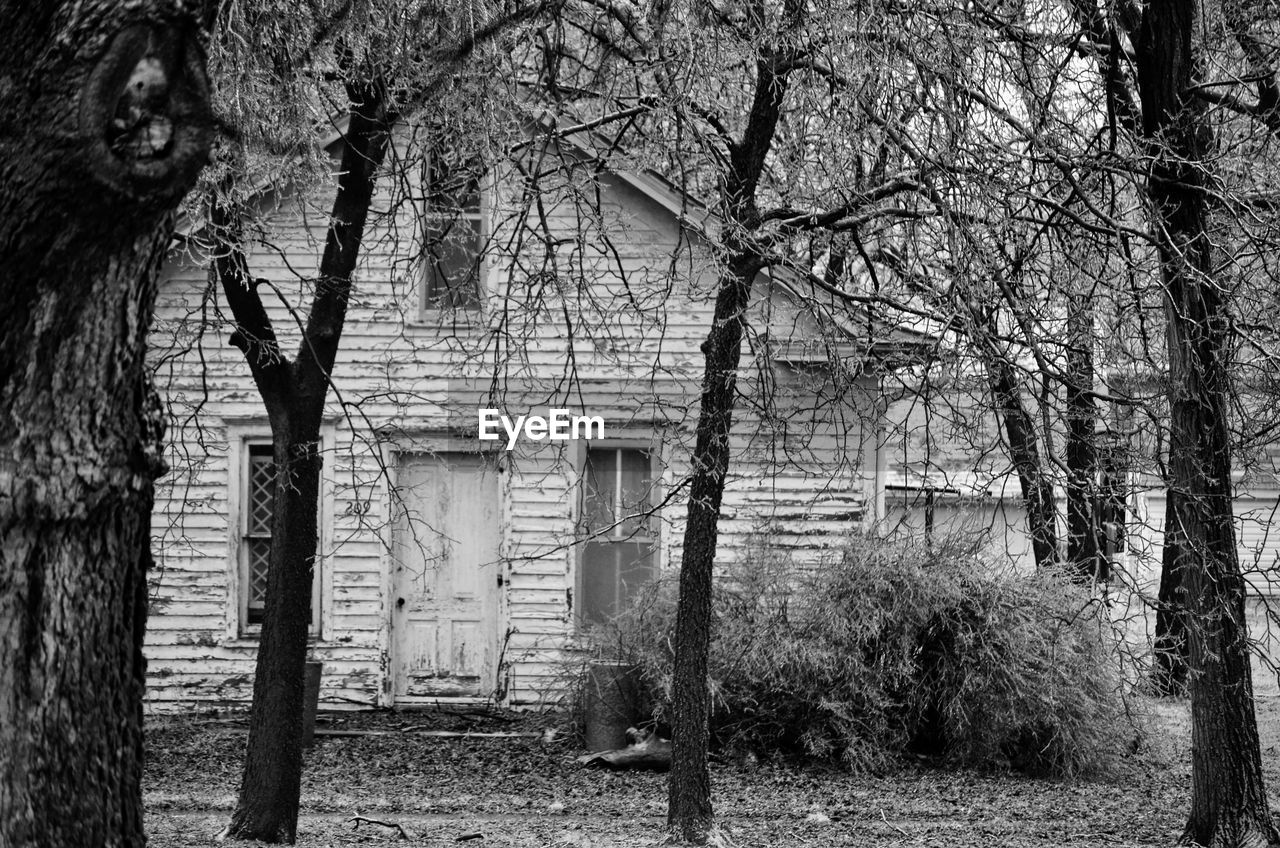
{"type": "Point", "coordinates": [526, 791]}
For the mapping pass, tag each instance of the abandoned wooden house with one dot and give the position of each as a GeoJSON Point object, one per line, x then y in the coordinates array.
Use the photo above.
{"type": "Point", "coordinates": [453, 567]}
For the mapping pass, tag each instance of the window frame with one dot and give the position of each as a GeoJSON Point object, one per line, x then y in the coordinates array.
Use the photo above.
{"type": "Point", "coordinates": [238, 630]}
{"type": "Point", "coordinates": [654, 537]}
{"type": "Point", "coordinates": [250, 448]}
{"type": "Point", "coordinates": [427, 312]}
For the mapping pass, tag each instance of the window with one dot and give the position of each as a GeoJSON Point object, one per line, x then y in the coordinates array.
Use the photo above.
{"type": "Point", "coordinates": [617, 527]}
{"type": "Point", "coordinates": [255, 543]}
{"type": "Point", "coordinates": [453, 235]}
{"type": "Point", "coordinates": [258, 483]}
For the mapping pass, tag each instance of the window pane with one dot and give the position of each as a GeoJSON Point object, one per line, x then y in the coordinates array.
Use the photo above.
{"type": "Point", "coordinates": [599, 490]}
{"type": "Point", "coordinates": [636, 484]}
{"type": "Point", "coordinates": [635, 568]}
{"type": "Point", "coordinates": [259, 552]}
{"type": "Point", "coordinates": [454, 187]}
{"type": "Point", "coordinates": [259, 498]}
{"type": "Point", "coordinates": [453, 264]}
{"type": "Point", "coordinates": [452, 231]}
{"type": "Point", "coordinates": [599, 597]}
{"type": "Point", "coordinates": [612, 572]}
{"type": "Point", "coordinates": [261, 489]}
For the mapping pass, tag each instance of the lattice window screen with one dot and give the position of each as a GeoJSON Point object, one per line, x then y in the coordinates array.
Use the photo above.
{"type": "Point", "coordinates": [261, 496]}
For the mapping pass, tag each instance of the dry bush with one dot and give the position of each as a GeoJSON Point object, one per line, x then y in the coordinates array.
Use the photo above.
{"type": "Point", "coordinates": [895, 648]}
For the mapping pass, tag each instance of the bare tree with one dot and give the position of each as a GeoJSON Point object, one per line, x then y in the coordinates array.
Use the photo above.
{"type": "Point", "coordinates": [1168, 121]}
{"type": "Point", "coordinates": [766, 202]}
{"type": "Point", "coordinates": [1228, 801]}
{"type": "Point", "coordinates": [378, 71]}
{"type": "Point", "coordinates": [1111, 125]}
{"type": "Point", "coordinates": [293, 392]}
{"type": "Point", "coordinates": [115, 127]}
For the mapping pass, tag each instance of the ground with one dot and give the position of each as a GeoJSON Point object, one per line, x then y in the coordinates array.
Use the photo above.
{"type": "Point", "coordinates": [526, 790]}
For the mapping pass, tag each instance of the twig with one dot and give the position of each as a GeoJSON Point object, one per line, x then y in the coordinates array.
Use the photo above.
{"type": "Point", "coordinates": [404, 834]}
{"type": "Point", "coordinates": [892, 825]}
{"type": "Point", "coordinates": [438, 734]}
{"type": "Point", "coordinates": [467, 837]}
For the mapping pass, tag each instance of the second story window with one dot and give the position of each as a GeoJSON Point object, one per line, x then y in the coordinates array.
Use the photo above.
{"type": "Point", "coordinates": [453, 234]}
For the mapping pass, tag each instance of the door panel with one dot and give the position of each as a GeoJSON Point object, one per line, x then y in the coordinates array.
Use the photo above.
{"type": "Point", "coordinates": [444, 578]}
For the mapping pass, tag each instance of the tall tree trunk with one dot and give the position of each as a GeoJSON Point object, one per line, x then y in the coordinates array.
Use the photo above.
{"type": "Point", "coordinates": [1169, 672]}
{"type": "Point", "coordinates": [1228, 802]}
{"type": "Point", "coordinates": [1084, 553]}
{"type": "Point", "coordinates": [1020, 432]}
{"type": "Point", "coordinates": [85, 216]}
{"type": "Point", "coordinates": [294, 394]}
{"type": "Point", "coordinates": [689, 812]}
{"type": "Point", "coordinates": [271, 787]}
{"type": "Point", "coordinates": [689, 786]}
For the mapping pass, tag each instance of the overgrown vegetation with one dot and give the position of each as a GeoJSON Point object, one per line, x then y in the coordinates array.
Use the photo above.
{"type": "Point", "coordinates": [898, 648]}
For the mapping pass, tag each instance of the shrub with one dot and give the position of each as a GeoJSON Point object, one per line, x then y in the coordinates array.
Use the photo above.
{"type": "Point", "coordinates": [897, 647]}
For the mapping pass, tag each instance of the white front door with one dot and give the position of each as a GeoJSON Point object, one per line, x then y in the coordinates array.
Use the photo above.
{"type": "Point", "coordinates": [444, 581]}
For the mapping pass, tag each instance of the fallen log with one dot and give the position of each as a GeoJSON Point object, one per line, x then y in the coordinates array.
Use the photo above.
{"type": "Point", "coordinates": [646, 751]}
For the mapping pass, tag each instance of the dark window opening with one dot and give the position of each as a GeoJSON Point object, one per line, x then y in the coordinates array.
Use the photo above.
{"type": "Point", "coordinates": [453, 235]}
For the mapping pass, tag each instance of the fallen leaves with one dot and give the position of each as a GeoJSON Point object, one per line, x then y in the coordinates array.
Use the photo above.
{"type": "Point", "coordinates": [521, 793]}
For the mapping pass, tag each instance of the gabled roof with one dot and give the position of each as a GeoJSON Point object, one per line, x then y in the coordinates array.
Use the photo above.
{"type": "Point", "coordinates": [890, 345]}
{"type": "Point", "coordinates": [688, 210]}
{"type": "Point", "coordinates": [850, 332]}
{"type": "Point", "coordinates": [895, 346]}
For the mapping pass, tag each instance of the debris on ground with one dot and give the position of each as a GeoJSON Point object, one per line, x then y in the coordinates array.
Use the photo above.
{"type": "Point", "coordinates": [646, 751]}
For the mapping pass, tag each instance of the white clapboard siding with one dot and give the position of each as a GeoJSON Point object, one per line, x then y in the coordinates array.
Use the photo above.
{"type": "Point", "coordinates": [1257, 538]}
{"type": "Point", "coordinates": [411, 382]}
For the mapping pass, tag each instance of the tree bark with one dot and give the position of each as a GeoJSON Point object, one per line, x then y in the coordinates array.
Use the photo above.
{"type": "Point", "coordinates": [86, 205]}
{"type": "Point", "coordinates": [1169, 672]}
{"type": "Point", "coordinates": [1020, 431]}
{"type": "Point", "coordinates": [293, 393]}
{"type": "Point", "coordinates": [689, 785]}
{"type": "Point", "coordinates": [1085, 559]}
{"type": "Point", "coordinates": [1228, 801]}
{"type": "Point", "coordinates": [267, 808]}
